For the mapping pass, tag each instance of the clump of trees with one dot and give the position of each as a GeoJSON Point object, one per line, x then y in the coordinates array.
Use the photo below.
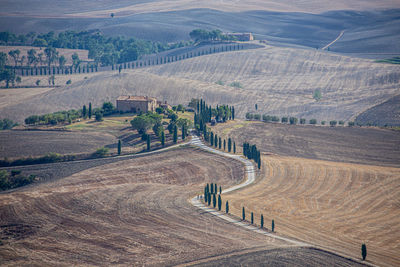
{"type": "Point", "coordinates": [251, 152]}
{"type": "Point", "coordinates": [14, 179]}
{"type": "Point", "coordinates": [103, 50]}
{"type": "Point", "coordinates": [7, 74]}
{"type": "Point", "coordinates": [6, 124]}
{"type": "Point", "coordinates": [200, 35]}
{"type": "Point", "coordinates": [144, 122]}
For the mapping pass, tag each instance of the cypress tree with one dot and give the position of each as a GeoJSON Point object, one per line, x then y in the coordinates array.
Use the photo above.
{"type": "Point", "coordinates": [163, 138]}
{"type": "Point", "coordinates": [183, 132]}
{"type": "Point", "coordinates": [208, 188]}
{"type": "Point", "coordinates": [243, 214]}
{"type": "Point", "coordinates": [220, 190]}
{"type": "Point", "coordinates": [234, 147]}
{"type": "Point", "coordinates": [214, 201]}
{"type": "Point", "coordinates": [227, 207]}
{"type": "Point", "coordinates": [209, 199]}
{"type": "Point", "coordinates": [215, 189]}
{"type": "Point", "coordinates": [219, 202]}
{"type": "Point", "coordinates": [119, 147]}
{"type": "Point", "coordinates": [175, 134]}
{"type": "Point", "coordinates": [211, 138]}
{"type": "Point", "coordinates": [148, 142]}
{"type": "Point", "coordinates": [216, 140]}
{"type": "Point", "coordinates": [84, 111]}
{"type": "Point", "coordinates": [229, 145]}
{"type": "Point", "coordinates": [233, 113]}
{"type": "Point", "coordinates": [224, 144]}
{"type": "Point", "coordinates": [205, 193]}
{"type": "Point", "coordinates": [212, 188]}
{"type": "Point", "coordinates": [262, 221]}
{"type": "Point", "coordinates": [219, 142]}
{"type": "Point", "coordinates": [90, 110]}
{"type": "Point", "coordinates": [252, 218]}
{"type": "Point", "coordinates": [363, 251]}
{"type": "Point", "coordinates": [259, 161]}
{"type": "Point", "coordinates": [273, 225]}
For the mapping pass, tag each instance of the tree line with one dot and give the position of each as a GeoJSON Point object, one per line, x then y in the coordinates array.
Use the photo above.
{"type": "Point", "coordinates": [200, 35]}
{"type": "Point", "coordinates": [14, 179]}
{"type": "Point", "coordinates": [294, 120]}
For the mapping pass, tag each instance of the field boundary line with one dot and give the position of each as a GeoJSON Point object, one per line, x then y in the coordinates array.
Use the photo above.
{"type": "Point", "coordinates": [334, 41]}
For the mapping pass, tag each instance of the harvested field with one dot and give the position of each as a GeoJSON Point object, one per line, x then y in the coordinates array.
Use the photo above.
{"type": "Point", "coordinates": [387, 113]}
{"type": "Point", "coordinates": [280, 80]}
{"type": "Point", "coordinates": [15, 96]}
{"type": "Point", "coordinates": [334, 205]}
{"type": "Point", "coordinates": [131, 212]}
{"type": "Point", "coordinates": [16, 144]}
{"type": "Point", "coordinates": [343, 144]}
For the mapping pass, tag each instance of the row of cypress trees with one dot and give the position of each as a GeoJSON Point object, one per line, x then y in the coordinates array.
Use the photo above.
{"type": "Point", "coordinates": [261, 219]}
{"type": "Point", "coordinates": [204, 114]}
{"type": "Point", "coordinates": [251, 152]}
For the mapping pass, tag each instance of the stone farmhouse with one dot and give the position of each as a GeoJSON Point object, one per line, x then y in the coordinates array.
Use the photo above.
{"type": "Point", "coordinates": [137, 104]}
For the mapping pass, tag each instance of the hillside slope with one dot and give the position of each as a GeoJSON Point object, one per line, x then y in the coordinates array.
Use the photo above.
{"type": "Point", "coordinates": [280, 80]}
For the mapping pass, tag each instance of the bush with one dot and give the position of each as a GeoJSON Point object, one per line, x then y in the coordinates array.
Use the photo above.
{"type": "Point", "coordinates": [317, 95]}
{"type": "Point", "coordinates": [323, 122]}
{"type": "Point", "coordinates": [351, 123]}
{"type": "Point", "coordinates": [266, 118]}
{"type": "Point", "coordinates": [275, 118]}
{"type": "Point", "coordinates": [313, 121]}
{"type": "Point", "coordinates": [257, 117]}
{"type": "Point", "coordinates": [13, 180]}
{"type": "Point", "coordinates": [284, 119]}
{"type": "Point", "coordinates": [249, 116]}
{"type": "Point", "coordinates": [341, 123]}
{"type": "Point", "coordinates": [220, 82]}
{"type": "Point", "coordinates": [6, 124]}
{"type": "Point", "coordinates": [302, 121]}
{"type": "Point", "coordinates": [236, 84]}
{"type": "Point", "coordinates": [98, 116]}
{"type": "Point", "coordinates": [332, 123]}
{"type": "Point", "coordinates": [68, 82]}
{"type": "Point", "coordinates": [293, 120]}
{"type": "Point", "coordinates": [101, 152]}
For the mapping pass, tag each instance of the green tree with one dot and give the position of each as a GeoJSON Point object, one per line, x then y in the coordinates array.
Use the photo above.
{"type": "Point", "coordinates": [61, 61]}
{"type": "Point", "coordinates": [15, 55]}
{"type": "Point", "coordinates": [284, 119]}
{"type": "Point", "coordinates": [209, 199]}
{"type": "Point", "coordinates": [293, 120]}
{"type": "Point", "coordinates": [363, 251]}
{"type": "Point", "coordinates": [313, 121]}
{"type": "Point", "coordinates": [163, 138]}
{"type": "Point", "coordinates": [227, 207]}
{"type": "Point", "coordinates": [148, 142]}
{"type": "Point", "coordinates": [224, 144]}
{"type": "Point", "coordinates": [273, 225]}
{"type": "Point", "coordinates": [229, 145]}
{"type": "Point", "coordinates": [219, 202]}
{"type": "Point", "coordinates": [183, 132]}
{"type": "Point", "coordinates": [333, 123]}
{"type": "Point", "coordinates": [175, 138]}
{"type": "Point", "coordinates": [215, 140]}
{"type": "Point", "coordinates": [32, 57]}
{"type": "Point", "coordinates": [141, 123]}
{"type": "Point", "coordinates": [220, 190]}
{"type": "Point", "coordinates": [98, 116]}
{"type": "Point", "coordinates": [90, 110]}
{"type": "Point", "coordinates": [75, 61]}
{"type": "Point", "coordinates": [215, 189]}
{"type": "Point", "coordinates": [234, 147]}
{"type": "Point", "coordinates": [158, 129]}
{"type": "Point", "coordinates": [243, 214]}
{"type": "Point", "coordinates": [219, 142]}
{"type": "Point", "coordinates": [51, 55]}
{"type": "Point", "coordinates": [262, 221]}
{"type": "Point", "coordinates": [212, 188]}
{"type": "Point", "coordinates": [214, 201]}
{"type": "Point", "coordinates": [119, 147]}
{"type": "Point", "coordinates": [84, 111]}
{"type": "Point", "coordinates": [317, 95]}
{"type": "Point", "coordinates": [252, 218]}
{"type": "Point", "coordinates": [205, 194]}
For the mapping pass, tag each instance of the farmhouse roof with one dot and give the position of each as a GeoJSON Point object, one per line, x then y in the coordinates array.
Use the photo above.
{"type": "Point", "coordinates": [136, 98]}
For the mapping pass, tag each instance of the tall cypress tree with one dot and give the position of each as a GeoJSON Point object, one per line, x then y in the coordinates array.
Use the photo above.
{"type": "Point", "coordinates": [216, 140]}
{"type": "Point", "coordinates": [90, 110]}
{"type": "Point", "coordinates": [229, 145]}
{"type": "Point", "coordinates": [363, 251]}
{"type": "Point", "coordinates": [224, 144]}
{"type": "Point", "coordinates": [214, 201]}
{"type": "Point", "coordinates": [220, 190]}
{"type": "Point", "coordinates": [84, 111]}
{"type": "Point", "coordinates": [205, 193]}
{"type": "Point", "coordinates": [262, 221]}
{"type": "Point", "coordinates": [233, 113]}
{"type": "Point", "coordinates": [209, 198]}
{"type": "Point", "coordinates": [148, 142]}
{"type": "Point", "coordinates": [243, 214]}
{"type": "Point", "coordinates": [227, 207]}
{"type": "Point", "coordinates": [219, 202]}
{"type": "Point", "coordinates": [219, 142]}
{"type": "Point", "coordinates": [212, 188]}
{"type": "Point", "coordinates": [273, 225]}
{"type": "Point", "coordinates": [211, 138]}
{"type": "Point", "coordinates": [252, 218]}
{"type": "Point", "coordinates": [183, 132]}
{"type": "Point", "coordinates": [119, 147]}
{"type": "Point", "coordinates": [163, 138]}
{"type": "Point", "coordinates": [175, 134]}
{"type": "Point", "coordinates": [234, 147]}
{"type": "Point", "coordinates": [215, 189]}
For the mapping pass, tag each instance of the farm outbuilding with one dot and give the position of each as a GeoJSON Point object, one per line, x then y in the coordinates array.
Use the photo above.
{"type": "Point", "coordinates": [138, 104]}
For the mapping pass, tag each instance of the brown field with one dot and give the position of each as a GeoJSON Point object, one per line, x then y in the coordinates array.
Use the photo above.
{"type": "Point", "coordinates": [280, 80]}
{"type": "Point", "coordinates": [16, 96]}
{"type": "Point", "coordinates": [67, 53]}
{"type": "Point", "coordinates": [338, 206]}
{"type": "Point", "coordinates": [125, 8]}
{"type": "Point", "coordinates": [131, 212]}
{"type": "Point", "coordinates": [343, 144]}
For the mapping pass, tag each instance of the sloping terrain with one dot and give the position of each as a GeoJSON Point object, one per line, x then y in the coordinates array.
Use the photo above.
{"type": "Point", "coordinates": [131, 212]}
{"type": "Point", "coordinates": [387, 113]}
{"type": "Point", "coordinates": [335, 205]}
{"type": "Point", "coordinates": [280, 80]}
{"type": "Point", "coordinates": [342, 144]}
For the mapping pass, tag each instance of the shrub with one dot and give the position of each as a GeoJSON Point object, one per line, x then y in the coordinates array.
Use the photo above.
{"type": "Point", "coordinates": [351, 123]}
{"type": "Point", "coordinates": [313, 121]}
{"type": "Point", "coordinates": [341, 123]}
{"type": "Point", "coordinates": [317, 95]}
{"type": "Point", "coordinates": [284, 119]}
{"type": "Point", "coordinates": [99, 116]}
{"type": "Point", "coordinates": [236, 84]}
{"type": "Point", "coordinates": [323, 122]}
{"type": "Point", "coordinates": [101, 152]}
{"type": "Point", "coordinates": [302, 121]}
{"type": "Point", "coordinates": [37, 82]}
{"type": "Point", "coordinates": [293, 120]}
{"type": "Point", "coordinates": [266, 118]}
{"type": "Point", "coordinates": [275, 118]}
{"type": "Point", "coordinates": [68, 82]}
{"type": "Point", "coordinates": [249, 116]}
{"type": "Point", "coordinates": [6, 124]}
{"type": "Point", "coordinates": [220, 82]}
{"type": "Point", "coordinates": [257, 117]}
{"type": "Point", "coordinates": [332, 123]}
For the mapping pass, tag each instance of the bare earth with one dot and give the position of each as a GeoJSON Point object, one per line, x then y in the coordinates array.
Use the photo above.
{"type": "Point", "coordinates": [334, 205]}
{"type": "Point", "coordinates": [131, 212]}
{"type": "Point", "coordinates": [343, 144]}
